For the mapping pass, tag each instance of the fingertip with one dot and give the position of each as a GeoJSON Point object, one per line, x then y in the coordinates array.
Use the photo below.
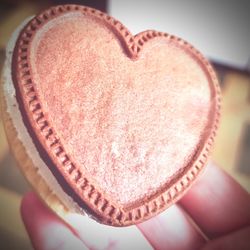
{"type": "Point", "coordinates": [171, 229]}
{"type": "Point", "coordinates": [28, 208]}
{"type": "Point", "coordinates": [217, 203]}
{"type": "Point", "coordinates": [28, 199]}
{"type": "Point", "coordinates": [45, 229]}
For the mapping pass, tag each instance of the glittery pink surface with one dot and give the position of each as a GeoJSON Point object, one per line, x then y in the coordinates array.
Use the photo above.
{"type": "Point", "coordinates": [129, 124]}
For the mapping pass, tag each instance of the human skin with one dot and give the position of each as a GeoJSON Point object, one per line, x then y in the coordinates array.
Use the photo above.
{"type": "Point", "coordinates": [214, 214]}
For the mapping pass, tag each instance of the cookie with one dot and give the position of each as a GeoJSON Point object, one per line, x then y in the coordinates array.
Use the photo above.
{"type": "Point", "coordinates": [103, 122]}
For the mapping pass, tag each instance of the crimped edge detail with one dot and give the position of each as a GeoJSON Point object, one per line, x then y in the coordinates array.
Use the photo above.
{"type": "Point", "coordinates": [100, 206]}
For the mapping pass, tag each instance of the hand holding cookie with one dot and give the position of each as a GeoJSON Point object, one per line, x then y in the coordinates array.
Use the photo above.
{"type": "Point", "coordinates": [223, 218]}
{"type": "Point", "coordinates": [118, 128]}
{"type": "Point", "coordinates": [105, 123]}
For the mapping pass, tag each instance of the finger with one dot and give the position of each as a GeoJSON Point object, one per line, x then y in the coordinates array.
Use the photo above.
{"type": "Point", "coordinates": [238, 240]}
{"type": "Point", "coordinates": [172, 230]}
{"type": "Point", "coordinates": [97, 236]}
{"type": "Point", "coordinates": [217, 203]}
{"type": "Point", "coordinates": [45, 229]}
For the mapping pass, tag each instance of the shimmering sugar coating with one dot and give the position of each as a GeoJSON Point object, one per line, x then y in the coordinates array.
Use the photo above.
{"type": "Point", "coordinates": [131, 125]}
{"type": "Point", "coordinates": [125, 126]}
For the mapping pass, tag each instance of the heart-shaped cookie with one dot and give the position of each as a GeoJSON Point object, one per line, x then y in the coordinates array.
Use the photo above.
{"type": "Point", "coordinates": [125, 123]}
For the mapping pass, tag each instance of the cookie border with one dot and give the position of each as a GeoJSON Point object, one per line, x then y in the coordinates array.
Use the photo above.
{"type": "Point", "coordinates": [96, 204]}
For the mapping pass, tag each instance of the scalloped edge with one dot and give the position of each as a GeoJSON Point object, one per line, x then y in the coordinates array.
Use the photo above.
{"type": "Point", "coordinates": [97, 205]}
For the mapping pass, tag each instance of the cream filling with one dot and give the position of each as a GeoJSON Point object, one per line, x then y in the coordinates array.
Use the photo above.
{"type": "Point", "coordinates": [22, 133]}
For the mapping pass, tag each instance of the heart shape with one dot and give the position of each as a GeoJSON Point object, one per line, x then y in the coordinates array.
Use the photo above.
{"type": "Point", "coordinates": [125, 123]}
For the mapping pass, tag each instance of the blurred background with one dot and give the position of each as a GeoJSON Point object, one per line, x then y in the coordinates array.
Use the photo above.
{"type": "Point", "coordinates": [219, 29]}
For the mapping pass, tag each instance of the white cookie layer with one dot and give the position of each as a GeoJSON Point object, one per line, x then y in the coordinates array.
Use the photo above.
{"type": "Point", "coordinates": [22, 133]}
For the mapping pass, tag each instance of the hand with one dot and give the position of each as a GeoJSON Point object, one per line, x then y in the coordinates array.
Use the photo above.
{"type": "Point", "coordinates": [214, 214]}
